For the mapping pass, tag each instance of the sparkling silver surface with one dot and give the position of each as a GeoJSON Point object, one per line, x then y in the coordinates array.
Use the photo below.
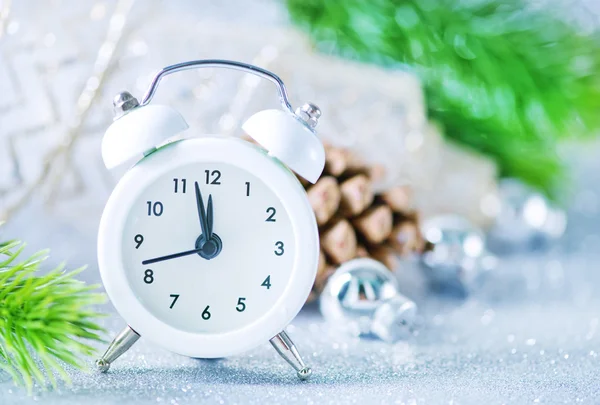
{"type": "Point", "coordinates": [515, 352]}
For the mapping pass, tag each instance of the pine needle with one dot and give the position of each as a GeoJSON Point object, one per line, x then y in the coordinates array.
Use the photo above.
{"type": "Point", "coordinates": [43, 318]}
{"type": "Point", "coordinates": [509, 79]}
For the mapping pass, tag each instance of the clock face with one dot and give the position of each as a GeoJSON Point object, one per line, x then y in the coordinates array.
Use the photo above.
{"type": "Point", "coordinates": [208, 248]}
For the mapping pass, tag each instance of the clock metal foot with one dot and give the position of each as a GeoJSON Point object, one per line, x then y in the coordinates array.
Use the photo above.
{"type": "Point", "coordinates": [286, 349]}
{"type": "Point", "coordinates": [120, 344]}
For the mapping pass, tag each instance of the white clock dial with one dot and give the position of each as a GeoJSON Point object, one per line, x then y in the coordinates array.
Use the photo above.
{"type": "Point", "coordinates": [193, 293]}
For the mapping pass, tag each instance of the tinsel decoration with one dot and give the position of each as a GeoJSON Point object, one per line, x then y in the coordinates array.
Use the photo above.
{"type": "Point", "coordinates": [356, 222]}
{"type": "Point", "coordinates": [508, 79]}
{"type": "Point", "coordinates": [44, 318]}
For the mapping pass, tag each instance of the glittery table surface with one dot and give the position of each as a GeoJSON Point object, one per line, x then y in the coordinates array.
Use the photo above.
{"type": "Point", "coordinates": [517, 351]}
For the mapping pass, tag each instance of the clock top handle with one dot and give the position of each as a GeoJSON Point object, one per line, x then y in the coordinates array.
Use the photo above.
{"type": "Point", "coordinates": [219, 63]}
{"type": "Point", "coordinates": [286, 134]}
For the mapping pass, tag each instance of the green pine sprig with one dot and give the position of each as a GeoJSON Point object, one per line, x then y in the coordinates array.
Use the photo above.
{"type": "Point", "coordinates": [509, 79]}
{"type": "Point", "coordinates": [44, 318]}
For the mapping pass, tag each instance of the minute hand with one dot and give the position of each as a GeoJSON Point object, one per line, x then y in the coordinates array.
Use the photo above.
{"type": "Point", "coordinates": [169, 257]}
{"type": "Point", "coordinates": [201, 212]}
{"type": "Point", "coordinates": [209, 217]}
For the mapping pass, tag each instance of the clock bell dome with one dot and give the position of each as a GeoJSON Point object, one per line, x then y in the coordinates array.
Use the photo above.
{"type": "Point", "coordinates": [138, 129]}
{"type": "Point", "coordinates": [290, 138]}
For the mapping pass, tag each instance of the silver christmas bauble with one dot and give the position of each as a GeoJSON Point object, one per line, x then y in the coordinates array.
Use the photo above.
{"type": "Point", "coordinates": [526, 218]}
{"type": "Point", "coordinates": [362, 298]}
{"type": "Point", "coordinates": [458, 256]}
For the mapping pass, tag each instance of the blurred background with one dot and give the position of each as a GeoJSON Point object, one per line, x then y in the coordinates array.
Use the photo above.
{"type": "Point", "coordinates": [484, 111]}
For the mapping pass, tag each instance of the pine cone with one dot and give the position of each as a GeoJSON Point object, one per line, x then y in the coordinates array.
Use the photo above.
{"type": "Point", "coordinates": [354, 221]}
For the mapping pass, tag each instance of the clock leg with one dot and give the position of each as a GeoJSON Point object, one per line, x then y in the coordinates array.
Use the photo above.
{"type": "Point", "coordinates": [120, 344]}
{"type": "Point", "coordinates": [286, 349]}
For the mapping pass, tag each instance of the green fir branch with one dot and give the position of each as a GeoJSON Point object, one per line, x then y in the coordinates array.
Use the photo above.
{"type": "Point", "coordinates": [44, 318]}
{"type": "Point", "coordinates": [509, 79]}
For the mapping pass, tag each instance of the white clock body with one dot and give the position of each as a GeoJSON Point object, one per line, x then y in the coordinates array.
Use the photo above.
{"type": "Point", "coordinates": [230, 303]}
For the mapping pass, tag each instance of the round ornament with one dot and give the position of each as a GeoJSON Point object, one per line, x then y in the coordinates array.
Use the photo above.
{"type": "Point", "coordinates": [362, 298]}
{"type": "Point", "coordinates": [526, 219]}
{"type": "Point", "coordinates": [458, 257]}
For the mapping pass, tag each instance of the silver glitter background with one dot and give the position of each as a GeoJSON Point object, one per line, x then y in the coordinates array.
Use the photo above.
{"type": "Point", "coordinates": [529, 335]}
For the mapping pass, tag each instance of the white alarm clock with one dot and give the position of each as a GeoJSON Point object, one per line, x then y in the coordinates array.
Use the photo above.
{"type": "Point", "coordinates": [208, 245]}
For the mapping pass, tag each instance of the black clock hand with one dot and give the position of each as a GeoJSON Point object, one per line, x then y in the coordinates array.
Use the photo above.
{"type": "Point", "coordinates": [208, 245]}
{"type": "Point", "coordinates": [169, 257]}
{"type": "Point", "coordinates": [201, 212]}
{"type": "Point", "coordinates": [209, 217]}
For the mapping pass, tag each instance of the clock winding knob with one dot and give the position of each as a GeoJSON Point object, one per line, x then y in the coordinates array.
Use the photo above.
{"type": "Point", "coordinates": [123, 103]}
{"type": "Point", "coordinates": [309, 113]}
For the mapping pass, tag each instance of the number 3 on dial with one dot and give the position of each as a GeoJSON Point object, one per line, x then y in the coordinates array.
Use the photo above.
{"type": "Point", "coordinates": [279, 248]}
